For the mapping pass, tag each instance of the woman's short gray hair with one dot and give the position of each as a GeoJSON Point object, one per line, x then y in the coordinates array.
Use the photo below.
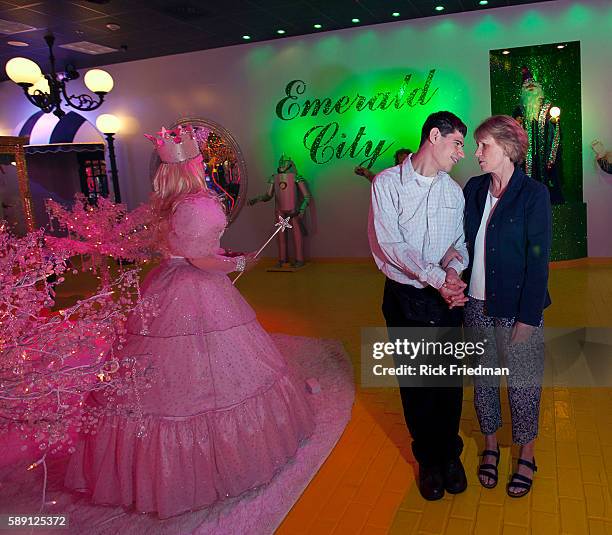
{"type": "Point", "coordinates": [507, 133]}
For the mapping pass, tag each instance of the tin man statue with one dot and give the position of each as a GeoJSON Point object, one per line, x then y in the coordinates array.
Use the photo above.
{"type": "Point", "coordinates": [292, 197]}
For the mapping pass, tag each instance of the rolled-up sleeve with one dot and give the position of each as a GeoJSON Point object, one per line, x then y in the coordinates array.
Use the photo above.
{"type": "Point", "coordinates": [390, 241]}
{"type": "Point", "coordinates": [459, 243]}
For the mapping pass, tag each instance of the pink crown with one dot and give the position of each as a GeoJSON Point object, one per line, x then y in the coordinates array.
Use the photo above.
{"type": "Point", "coordinates": [176, 146]}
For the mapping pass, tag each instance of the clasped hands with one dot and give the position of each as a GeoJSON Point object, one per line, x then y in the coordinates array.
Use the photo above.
{"type": "Point", "coordinates": [453, 287]}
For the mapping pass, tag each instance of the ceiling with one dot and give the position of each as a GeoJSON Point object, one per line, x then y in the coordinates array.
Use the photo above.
{"type": "Point", "coordinates": [151, 28]}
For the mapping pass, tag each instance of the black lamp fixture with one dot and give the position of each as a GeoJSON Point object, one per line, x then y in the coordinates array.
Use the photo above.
{"type": "Point", "coordinates": [46, 90]}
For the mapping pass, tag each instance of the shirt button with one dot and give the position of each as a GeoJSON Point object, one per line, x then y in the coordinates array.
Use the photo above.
{"type": "Point", "coordinates": [493, 294]}
{"type": "Point", "coordinates": [492, 249]}
{"type": "Point", "coordinates": [492, 225]}
{"type": "Point", "coordinates": [492, 272]}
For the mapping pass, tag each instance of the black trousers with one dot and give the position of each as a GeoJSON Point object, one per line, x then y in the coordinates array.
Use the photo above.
{"type": "Point", "coordinates": [432, 413]}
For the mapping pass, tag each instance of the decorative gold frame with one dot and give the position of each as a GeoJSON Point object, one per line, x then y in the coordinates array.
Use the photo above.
{"type": "Point", "coordinates": [14, 146]}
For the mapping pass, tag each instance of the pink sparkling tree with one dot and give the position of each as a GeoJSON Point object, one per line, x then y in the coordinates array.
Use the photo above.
{"type": "Point", "coordinates": [51, 361]}
{"type": "Point", "coordinates": [106, 229]}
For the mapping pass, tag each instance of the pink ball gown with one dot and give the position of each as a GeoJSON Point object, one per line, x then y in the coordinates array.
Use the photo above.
{"type": "Point", "coordinates": [225, 412]}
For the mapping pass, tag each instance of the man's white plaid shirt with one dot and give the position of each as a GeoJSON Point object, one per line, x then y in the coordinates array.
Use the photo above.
{"type": "Point", "coordinates": [412, 224]}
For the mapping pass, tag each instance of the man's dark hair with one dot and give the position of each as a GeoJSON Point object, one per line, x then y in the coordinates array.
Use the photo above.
{"type": "Point", "coordinates": [445, 121]}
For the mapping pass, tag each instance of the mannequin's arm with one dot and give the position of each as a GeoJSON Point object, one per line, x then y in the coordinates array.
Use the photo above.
{"type": "Point", "coordinates": [305, 191]}
{"type": "Point", "coordinates": [263, 198]}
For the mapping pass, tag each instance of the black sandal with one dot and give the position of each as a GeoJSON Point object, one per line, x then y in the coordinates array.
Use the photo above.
{"type": "Point", "coordinates": [521, 481]}
{"type": "Point", "coordinates": [489, 470]}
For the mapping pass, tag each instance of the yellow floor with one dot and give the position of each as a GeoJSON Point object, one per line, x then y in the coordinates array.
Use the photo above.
{"type": "Point", "coordinates": [367, 485]}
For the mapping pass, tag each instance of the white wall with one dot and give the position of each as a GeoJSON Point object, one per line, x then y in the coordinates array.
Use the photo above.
{"type": "Point", "coordinates": [240, 86]}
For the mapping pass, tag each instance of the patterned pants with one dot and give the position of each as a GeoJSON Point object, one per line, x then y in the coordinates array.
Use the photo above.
{"type": "Point", "coordinates": [525, 362]}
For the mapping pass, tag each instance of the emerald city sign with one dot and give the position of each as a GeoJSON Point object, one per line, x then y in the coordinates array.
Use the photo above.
{"type": "Point", "coordinates": [327, 141]}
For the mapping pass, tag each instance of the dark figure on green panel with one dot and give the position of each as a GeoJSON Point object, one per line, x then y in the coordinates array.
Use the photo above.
{"type": "Point", "coordinates": [540, 119]}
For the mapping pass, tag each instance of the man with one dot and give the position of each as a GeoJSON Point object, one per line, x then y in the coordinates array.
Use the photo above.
{"type": "Point", "coordinates": [541, 122]}
{"type": "Point", "coordinates": [416, 215]}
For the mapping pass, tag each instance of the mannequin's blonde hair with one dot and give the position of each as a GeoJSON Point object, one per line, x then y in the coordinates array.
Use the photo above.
{"type": "Point", "coordinates": [173, 182]}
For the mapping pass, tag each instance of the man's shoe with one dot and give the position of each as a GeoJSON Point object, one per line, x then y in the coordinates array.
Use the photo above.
{"type": "Point", "coordinates": [454, 477]}
{"type": "Point", "coordinates": [431, 482]}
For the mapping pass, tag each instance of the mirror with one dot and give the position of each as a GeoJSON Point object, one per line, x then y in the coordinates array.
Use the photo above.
{"type": "Point", "coordinates": [15, 197]}
{"type": "Point", "coordinates": [225, 168]}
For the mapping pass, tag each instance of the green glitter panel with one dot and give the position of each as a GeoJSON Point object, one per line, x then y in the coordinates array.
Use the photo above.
{"type": "Point", "coordinates": [558, 70]}
{"type": "Point", "coordinates": [569, 231]}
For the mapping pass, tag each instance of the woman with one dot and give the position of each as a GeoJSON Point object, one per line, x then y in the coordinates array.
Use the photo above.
{"type": "Point", "coordinates": [508, 234]}
{"type": "Point", "coordinates": [223, 414]}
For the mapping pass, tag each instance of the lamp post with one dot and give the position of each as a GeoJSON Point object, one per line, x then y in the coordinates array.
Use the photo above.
{"type": "Point", "coordinates": [108, 124]}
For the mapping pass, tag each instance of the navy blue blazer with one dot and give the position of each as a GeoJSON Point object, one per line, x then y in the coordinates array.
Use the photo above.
{"type": "Point", "coordinates": [517, 245]}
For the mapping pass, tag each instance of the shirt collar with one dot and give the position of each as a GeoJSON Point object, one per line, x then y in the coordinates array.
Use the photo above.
{"type": "Point", "coordinates": [407, 172]}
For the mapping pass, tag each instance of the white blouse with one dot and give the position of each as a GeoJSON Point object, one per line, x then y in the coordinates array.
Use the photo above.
{"type": "Point", "coordinates": [477, 280]}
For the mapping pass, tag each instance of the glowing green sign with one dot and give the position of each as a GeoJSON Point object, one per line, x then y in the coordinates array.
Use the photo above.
{"type": "Point", "coordinates": [327, 141]}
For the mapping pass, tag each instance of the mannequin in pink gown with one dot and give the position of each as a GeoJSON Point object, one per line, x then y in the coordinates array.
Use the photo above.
{"type": "Point", "coordinates": [224, 413]}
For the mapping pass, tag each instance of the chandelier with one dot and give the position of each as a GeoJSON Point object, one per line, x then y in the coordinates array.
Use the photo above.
{"type": "Point", "coordinates": [46, 90]}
